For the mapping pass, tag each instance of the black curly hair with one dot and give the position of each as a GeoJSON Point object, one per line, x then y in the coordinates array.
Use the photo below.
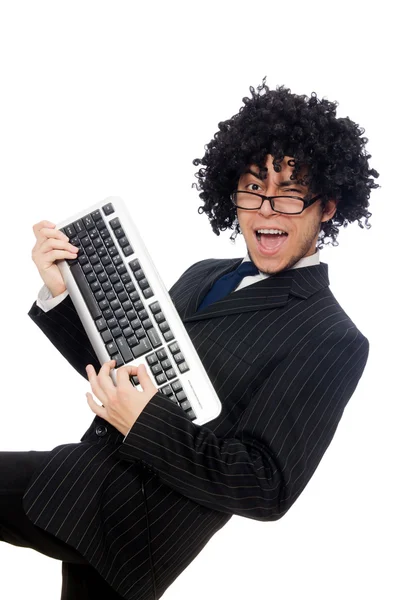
{"type": "Point", "coordinates": [284, 124]}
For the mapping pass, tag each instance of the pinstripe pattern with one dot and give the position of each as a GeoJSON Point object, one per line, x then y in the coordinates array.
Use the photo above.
{"type": "Point", "coordinates": [284, 359]}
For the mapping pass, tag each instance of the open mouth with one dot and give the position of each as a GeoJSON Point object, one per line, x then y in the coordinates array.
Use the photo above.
{"type": "Point", "coordinates": [270, 240]}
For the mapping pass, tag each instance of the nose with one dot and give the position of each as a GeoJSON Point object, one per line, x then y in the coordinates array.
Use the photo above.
{"type": "Point", "coordinates": [266, 209]}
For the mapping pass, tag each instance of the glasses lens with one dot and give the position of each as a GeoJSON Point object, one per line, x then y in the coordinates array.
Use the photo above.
{"type": "Point", "coordinates": [285, 204]}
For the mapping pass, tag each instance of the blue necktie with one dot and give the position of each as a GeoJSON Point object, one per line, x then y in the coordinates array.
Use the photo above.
{"type": "Point", "coordinates": [228, 283]}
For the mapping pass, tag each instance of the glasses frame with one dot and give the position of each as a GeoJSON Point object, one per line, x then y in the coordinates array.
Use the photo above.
{"type": "Point", "coordinates": [306, 203]}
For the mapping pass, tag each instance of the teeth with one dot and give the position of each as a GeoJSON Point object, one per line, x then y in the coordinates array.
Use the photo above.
{"type": "Point", "coordinates": [270, 231]}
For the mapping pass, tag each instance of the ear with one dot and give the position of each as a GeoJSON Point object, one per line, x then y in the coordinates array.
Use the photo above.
{"type": "Point", "coordinates": [329, 210]}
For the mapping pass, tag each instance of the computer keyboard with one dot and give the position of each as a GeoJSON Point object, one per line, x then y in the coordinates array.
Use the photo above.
{"type": "Point", "coordinates": [126, 310]}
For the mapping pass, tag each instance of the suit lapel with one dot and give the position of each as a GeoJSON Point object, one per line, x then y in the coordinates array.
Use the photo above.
{"type": "Point", "coordinates": [272, 292]}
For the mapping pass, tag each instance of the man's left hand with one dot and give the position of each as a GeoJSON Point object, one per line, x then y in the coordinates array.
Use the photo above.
{"type": "Point", "coordinates": [121, 405]}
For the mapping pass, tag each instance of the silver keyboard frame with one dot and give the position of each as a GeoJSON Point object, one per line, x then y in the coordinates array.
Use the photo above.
{"type": "Point", "coordinates": [195, 382]}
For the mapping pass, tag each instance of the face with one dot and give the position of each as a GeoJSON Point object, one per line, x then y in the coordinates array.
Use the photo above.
{"type": "Point", "coordinates": [272, 253]}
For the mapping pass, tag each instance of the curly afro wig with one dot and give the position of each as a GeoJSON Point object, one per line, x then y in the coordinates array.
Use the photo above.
{"type": "Point", "coordinates": [282, 124]}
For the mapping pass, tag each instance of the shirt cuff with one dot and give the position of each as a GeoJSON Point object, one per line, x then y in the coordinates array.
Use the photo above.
{"type": "Point", "coordinates": [46, 301]}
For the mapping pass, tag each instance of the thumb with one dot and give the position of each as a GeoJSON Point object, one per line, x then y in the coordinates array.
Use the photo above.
{"type": "Point", "coordinates": [144, 379]}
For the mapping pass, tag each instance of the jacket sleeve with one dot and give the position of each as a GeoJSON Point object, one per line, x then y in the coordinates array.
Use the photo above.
{"type": "Point", "coordinates": [65, 331]}
{"type": "Point", "coordinates": [280, 439]}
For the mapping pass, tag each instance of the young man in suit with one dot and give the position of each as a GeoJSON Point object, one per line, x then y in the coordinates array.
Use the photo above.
{"type": "Point", "coordinates": [132, 504]}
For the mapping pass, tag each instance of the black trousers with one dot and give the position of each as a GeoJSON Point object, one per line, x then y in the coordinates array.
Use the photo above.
{"type": "Point", "coordinates": [80, 581]}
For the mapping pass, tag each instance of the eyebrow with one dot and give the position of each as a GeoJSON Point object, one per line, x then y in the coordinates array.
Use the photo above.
{"type": "Point", "coordinates": [285, 183]}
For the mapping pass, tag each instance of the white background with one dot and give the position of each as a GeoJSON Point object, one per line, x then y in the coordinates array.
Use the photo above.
{"type": "Point", "coordinates": [117, 98]}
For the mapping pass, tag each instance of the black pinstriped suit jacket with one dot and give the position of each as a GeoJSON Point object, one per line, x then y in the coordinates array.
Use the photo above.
{"type": "Point", "coordinates": [284, 359]}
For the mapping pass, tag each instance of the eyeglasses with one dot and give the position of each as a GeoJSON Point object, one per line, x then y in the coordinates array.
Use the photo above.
{"type": "Point", "coordinates": [288, 205]}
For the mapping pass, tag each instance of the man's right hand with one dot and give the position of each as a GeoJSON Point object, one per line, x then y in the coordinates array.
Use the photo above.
{"type": "Point", "coordinates": [51, 245]}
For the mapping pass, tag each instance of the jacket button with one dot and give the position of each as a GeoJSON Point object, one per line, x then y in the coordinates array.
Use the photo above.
{"type": "Point", "coordinates": [101, 430]}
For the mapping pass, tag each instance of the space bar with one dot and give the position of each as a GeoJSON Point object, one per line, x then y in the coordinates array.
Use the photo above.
{"type": "Point", "coordinates": [86, 291]}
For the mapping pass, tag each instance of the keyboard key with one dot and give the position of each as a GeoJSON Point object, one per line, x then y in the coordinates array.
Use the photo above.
{"type": "Point", "coordinates": [167, 390]}
{"type": "Point", "coordinates": [123, 322]}
{"type": "Point", "coordinates": [88, 222]}
{"type": "Point", "coordinates": [135, 324]}
{"type": "Point", "coordinates": [112, 348]}
{"type": "Point", "coordinates": [183, 367]}
{"type": "Point", "coordinates": [170, 374]}
{"type": "Point", "coordinates": [139, 274]}
{"type": "Point", "coordinates": [154, 338]}
{"type": "Point", "coordinates": [161, 378]}
{"type": "Point", "coordinates": [124, 349]}
{"type": "Point", "coordinates": [132, 341]}
{"type": "Point", "coordinates": [155, 307]}
{"type": "Point", "coordinates": [103, 305]}
{"type": "Point", "coordinates": [126, 279]}
{"type": "Point", "coordinates": [119, 314]}
{"type": "Point", "coordinates": [168, 335]}
{"type": "Point", "coordinates": [110, 295]}
{"type": "Point", "coordinates": [174, 348]}
{"type": "Point", "coordinates": [106, 336]}
{"type": "Point", "coordinates": [119, 360]}
{"type": "Point", "coordinates": [156, 369]}
{"type": "Point", "coordinates": [142, 348]}
{"type": "Point", "coordinates": [119, 232]}
{"type": "Point", "coordinates": [181, 396]}
{"type": "Point", "coordinates": [115, 304]}
{"type": "Point", "coordinates": [186, 405]}
{"type": "Point", "coordinates": [147, 324]}
{"type": "Point", "coordinates": [128, 250]}
{"type": "Point", "coordinates": [163, 326]}
{"type": "Point", "coordinates": [138, 305]}
{"type": "Point", "coordinates": [161, 354]}
{"type": "Point", "coordinates": [91, 277]}
{"type": "Point", "coordinates": [108, 209]}
{"type": "Point", "coordinates": [101, 324]}
{"type": "Point", "coordinates": [70, 230]}
{"type": "Point", "coordinates": [116, 332]}
{"type": "Point", "coordinates": [79, 226]}
{"type": "Point", "coordinates": [128, 332]}
{"type": "Point", "coordinates": [178, 358]}
{"type": "Point", "coordinates": [95, 286]}
{"type": "Point", "coordinates": [148, 293]}
{"type": "Point", "coordinates": [114, 223]}
{"type": "Point", "coordinates": [134, 265]}
{"type": "Point", "coordinates": [151, 359]}
{"type": "Point", "coordinates": [121, 269]}
{"type": "Point", "coordinates": [190, 413]}
{"type": "Point", "coordinates": [159, 317]}
{"type": "Point", "coordinates": [85, 291]}
{"type": "Point", "coordinates": [176, 385]}
{"type": "Point", "coordinates": [143, 283]}
{"type": "Point", "coordinates": [96, 215]}
{"type": "Point", "coordinates": [123, 241]}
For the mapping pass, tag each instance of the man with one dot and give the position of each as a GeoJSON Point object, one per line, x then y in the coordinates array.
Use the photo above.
{"type": "Point", "coordinates": [132, 504]}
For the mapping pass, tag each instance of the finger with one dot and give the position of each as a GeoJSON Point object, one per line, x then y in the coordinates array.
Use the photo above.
{"type": "Point", "coordinates": [96, 385]}
{"type": "Point", "coordinates": [55, 244]}
{"type": "Point", "coordinates": [98, 410]}
{"type": "Point", "coordinates": [105, 381]}
{"type": "Point", "coordinates": [46, 229]}
{"type": "Point", "coordinates": [145, 382]}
